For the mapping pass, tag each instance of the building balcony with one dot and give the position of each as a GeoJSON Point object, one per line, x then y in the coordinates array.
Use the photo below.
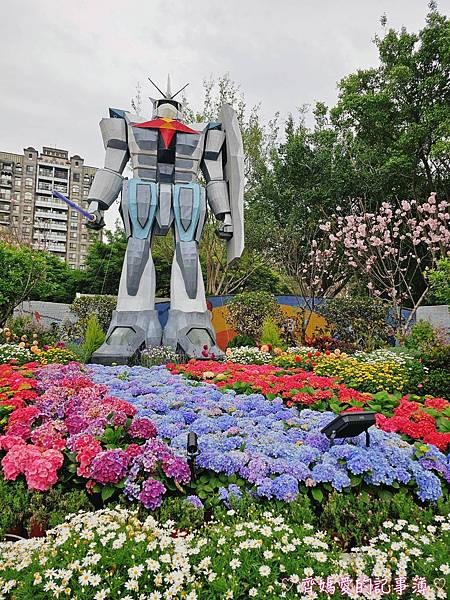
{"type": "Point", "coordinates": [42, 190]}
{"type": "Point", "coordinates": [51, 203]}
{"type": "Point", "coordinates": [41, 214]}
{"type": "Point", "coordinates": [56, 248]}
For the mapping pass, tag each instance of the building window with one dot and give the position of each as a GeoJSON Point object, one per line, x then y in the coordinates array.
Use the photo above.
{"type": "Point", "coordinates": [28, 182]}
{"type": "Point", "coordinates": [73, 236]}
{"type": "Point", "coordinates": [28, 196]}
{"type": "Point", "coordinates": [27, 209]}
{"type": "Point", "coordinates": [18, 182]}
{"type": "Point", "coordinates": [30, 169]}
{"type": "Point", "coordinates": [74, 226]}
{"type": "Point", "coordinates": [76, 177]}
{"type": "Point", "coordinates": [30, 155]}
{"type": "Point", "coordinates": [77, 163]}
{"type": "Point", "coordinates": [76, 189]}
{"type": "Point", "coordinates": [74, 217]}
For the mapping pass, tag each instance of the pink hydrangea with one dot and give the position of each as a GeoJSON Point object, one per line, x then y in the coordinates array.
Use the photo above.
{"type": "Point", "coordinates": [39, 466]}
{"type": "Point", "coordinates": [8, 441]}
{"type": "Point", "coordinates": [177, 468]}
{"type": "Point", "coordinates": [50, 435]}
{"type": "Point", "coordinates": [133, 450]}
{"type": "Point", "coordinates": [86, 448]}
{"type": "Point", "coordinates": [143, 428]}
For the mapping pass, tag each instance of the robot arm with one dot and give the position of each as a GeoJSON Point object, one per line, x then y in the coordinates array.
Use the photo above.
{"type": "Point", "coordinates": [108, 181]}
{"type": "Point", "coordinates": [216, 186]}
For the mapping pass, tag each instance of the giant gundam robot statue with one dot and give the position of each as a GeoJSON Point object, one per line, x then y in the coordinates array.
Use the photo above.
{"type": "Point", "coordinates": [167, 158]}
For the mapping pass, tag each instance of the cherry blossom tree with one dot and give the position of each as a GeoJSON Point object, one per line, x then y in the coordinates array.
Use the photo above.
{"type": "Point", "coordinates": [391, 249]}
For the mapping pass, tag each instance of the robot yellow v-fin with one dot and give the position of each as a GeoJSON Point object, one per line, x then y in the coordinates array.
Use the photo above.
{"type": "Point", "coordinates": [167, 157]}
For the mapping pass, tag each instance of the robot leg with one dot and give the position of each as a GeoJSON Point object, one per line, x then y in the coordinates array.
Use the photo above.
{"type": "Point", "coordinates": [135, 321]}
{"type": "Point", "coordinates": [189, 327]}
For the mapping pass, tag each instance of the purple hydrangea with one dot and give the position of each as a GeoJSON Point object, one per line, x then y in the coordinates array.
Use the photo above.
{"type": "Point", "coordinates": [195, 501]}
{"type": "Point", "coordinates": [151, 494]}
{"type": "Point", "coordinates": [177, 468]}
{"type": "Point", "coordinates": [109, 466]}
{"type": "Point", "coordinates": [230, 495]}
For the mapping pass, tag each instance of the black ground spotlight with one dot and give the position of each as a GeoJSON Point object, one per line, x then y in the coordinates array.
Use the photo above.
{"type": "Point", "coordinates": [192, 451]}
{"type": "Point", "coordinates": [350, 425]}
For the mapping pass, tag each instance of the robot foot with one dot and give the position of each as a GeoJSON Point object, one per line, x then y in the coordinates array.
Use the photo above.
{"type": "Point", "coordinates": [191, 333]}
{"type": "Point", "coordinates": [127, 333]}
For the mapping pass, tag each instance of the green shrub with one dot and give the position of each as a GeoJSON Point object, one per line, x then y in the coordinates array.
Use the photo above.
{"type": "Point", "coordinates": [437, 380]}
{"type": "Point", "coordinates": [248, 311]}
{"type": "Point", "coordinates": [85, 306]}
{"type": "Point", "coordinates": [367, 513]}
{"type": "Point", "coordinates": [270, 333]}
{"type": "Point", "coordinates": [94, 337]}
{"type": "Point", "coordinates": [241, 340]}
{"type": "Point", "coordinates": [361, 321]}
{"type": "Point", "coordinates": [440, 281]}
{"type": "Point", "coordinates": [51, 508]}
{"type": "Point", "coordinates": [421, 337]}
{"type": "Point", "coordinates": [14, 502]}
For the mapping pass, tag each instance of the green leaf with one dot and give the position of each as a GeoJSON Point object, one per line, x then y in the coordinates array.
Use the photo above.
{"type": "Point", "coordinates": [317, 494]}
{"type": "Point", "coordinates": [384, 494]}
{"type": "Point", "coordinates": [107, 492]}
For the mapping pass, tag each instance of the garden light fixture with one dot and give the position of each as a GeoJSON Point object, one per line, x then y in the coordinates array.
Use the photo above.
{"type": "Point", "coordinates": [350, 425]}
{"type": "Point", "coordinates": [192, 451]}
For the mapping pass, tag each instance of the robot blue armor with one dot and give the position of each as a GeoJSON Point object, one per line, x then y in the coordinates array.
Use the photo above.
{"type": "Point", "coordinates": [167, 157]}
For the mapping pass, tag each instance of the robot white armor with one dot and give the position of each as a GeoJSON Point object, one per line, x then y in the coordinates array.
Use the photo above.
{"type": "Point", "coordinates": [167, 157]}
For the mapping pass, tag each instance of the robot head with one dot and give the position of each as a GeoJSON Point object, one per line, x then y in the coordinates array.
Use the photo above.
{"type": "Point", "coordinates": [167, 107]}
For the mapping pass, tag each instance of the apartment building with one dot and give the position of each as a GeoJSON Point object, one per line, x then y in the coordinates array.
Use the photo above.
{"type": "Point", "coordinates": [29, 210]}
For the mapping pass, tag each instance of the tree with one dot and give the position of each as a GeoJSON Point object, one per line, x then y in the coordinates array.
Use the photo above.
{"type": "Point", "coordinates": [395, 118]}
{"type": "Point", "coordinates": [439, 279]}
{"type": "Point", "coordinates": [22, 270]}
{"type": "Point", "coordinates": [59, 282]}
{"type": "Point", "coordinates": [391, 249]}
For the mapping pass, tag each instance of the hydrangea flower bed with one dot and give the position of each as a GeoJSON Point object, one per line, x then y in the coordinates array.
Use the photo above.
{"type": "Point", "coordinates": [273, 448]}
{"type": "Point", "coordinates": [113, 555]}
{"type": "Point", "coordinates": [62, 424]}
{"type": "Point", "coordinates": [426, 418]}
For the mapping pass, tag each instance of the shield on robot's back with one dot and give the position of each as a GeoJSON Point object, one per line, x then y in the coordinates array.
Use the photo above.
{"type": "Point", "coordinates": [234, 175]}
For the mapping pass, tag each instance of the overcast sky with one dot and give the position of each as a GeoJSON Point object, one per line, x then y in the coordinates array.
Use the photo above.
{"type": "Point", "coordinates": [63, 63]}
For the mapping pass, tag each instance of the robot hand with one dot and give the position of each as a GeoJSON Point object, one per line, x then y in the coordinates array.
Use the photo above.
{"type": "Point", "coordinates": [225, 231]}
{"type": "Point", "coordinates": [99, 222]}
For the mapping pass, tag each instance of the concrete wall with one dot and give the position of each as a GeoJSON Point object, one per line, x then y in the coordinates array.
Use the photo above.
{"type": "Point", "coordinates": [438, 316]}
{"type": "Point", "coordinates": [45, 312]}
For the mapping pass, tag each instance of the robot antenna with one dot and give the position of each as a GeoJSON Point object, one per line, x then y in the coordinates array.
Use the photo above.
{"type": "Point", "coordinates": [180, 90]}
{"type": "Point", "coordinates": [153, 83]}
